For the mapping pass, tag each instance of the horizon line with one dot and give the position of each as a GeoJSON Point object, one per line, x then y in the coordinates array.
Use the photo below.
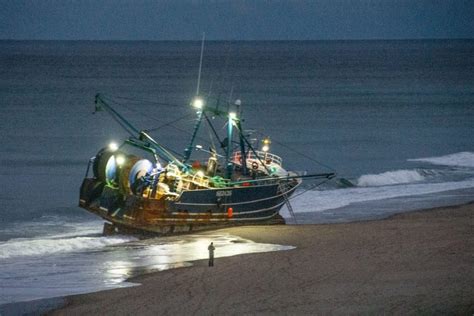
{"type": "Point", "coordinates": [236, 40]}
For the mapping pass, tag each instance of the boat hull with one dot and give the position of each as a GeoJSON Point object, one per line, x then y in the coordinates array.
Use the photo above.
{"type": "Point", "coordinates": [193, 210]}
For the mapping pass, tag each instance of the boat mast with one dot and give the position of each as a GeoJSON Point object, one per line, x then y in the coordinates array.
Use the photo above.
{"type": "Point", "coordinates": [198, 103]}
{"type": "Point", "coordinates": [243, 153]}
{"type": "Point", "coordinates": [230, 126]}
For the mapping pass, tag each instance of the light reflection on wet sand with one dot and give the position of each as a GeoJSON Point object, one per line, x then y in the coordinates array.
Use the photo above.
{"type": "Point", "coordinates": [165, 253]}
{"type": "Point", "coordinates": [36, 277]}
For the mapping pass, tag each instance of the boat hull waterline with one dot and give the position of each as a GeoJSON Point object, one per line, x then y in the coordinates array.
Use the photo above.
{"type": "Point", "coordinates": [194, 210]}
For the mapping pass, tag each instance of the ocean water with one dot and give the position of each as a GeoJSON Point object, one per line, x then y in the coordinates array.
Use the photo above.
{"type": "Point", "coordinates": [393, 117]}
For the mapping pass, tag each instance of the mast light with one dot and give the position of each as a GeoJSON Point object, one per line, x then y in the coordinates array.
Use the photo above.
{"type": "Point", "coordinates": [266, 144]}
{"type": "Point", "coordinates": [113, 146]}
{"type": "Point", "coordinates": [198, 103]}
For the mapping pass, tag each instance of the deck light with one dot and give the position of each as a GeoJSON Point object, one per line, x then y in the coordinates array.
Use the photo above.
{"type": "Point", "coordinates": [113, 146]}
{"type": "Point", "coordinates": [198, 103]}
{"type": "Point", "coordinates": [200, 174]}
{"type": "Point", "coordinates": [120, 160]}
{"type": "Point", "coordinates": [266, 144]}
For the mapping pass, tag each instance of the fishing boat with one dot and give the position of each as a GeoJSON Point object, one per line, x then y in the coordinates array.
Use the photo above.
{"type": "Point", "coordinates": [160, 193]}
{"type": "Point", "coordinates": [141, 186]}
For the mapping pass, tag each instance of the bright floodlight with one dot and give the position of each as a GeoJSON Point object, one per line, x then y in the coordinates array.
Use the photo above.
{"type": "Point", "coordinates": [120, 160]}
{"type": "Point", "coordinates": [198, 103]}
{"type": "Point", "coordinates": [266, 144]}
{"type": "Point", "coordinates": [200, 174]}
{"type": "Point", "coordinates": [113, 146]}
{"type": "Point", "coordinates": [232, 115]}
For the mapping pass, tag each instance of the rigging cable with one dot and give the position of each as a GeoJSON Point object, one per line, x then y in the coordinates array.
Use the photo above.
{"type": "Point", "coordinates": [311, 187]}
{"type": "Point", "coordinates": [143, 101]}
{"type": "Point", "coordinates": [110, 100]}
{"type": "Point", "coordinates": [155, 119]}
{"type": "Point", "coordinates": [170, 123]}
{"type": "Point", "coordinates": [300, 153]}
{"type": "Point", "coordinates": [292, 149]}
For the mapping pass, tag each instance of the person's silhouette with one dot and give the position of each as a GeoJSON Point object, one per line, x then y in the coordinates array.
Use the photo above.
{"type": "Point", "coordinates": [211, 249]}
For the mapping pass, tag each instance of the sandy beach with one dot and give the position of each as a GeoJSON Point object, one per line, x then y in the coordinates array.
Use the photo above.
{"type": "Point", "coordinates": [411, 263]}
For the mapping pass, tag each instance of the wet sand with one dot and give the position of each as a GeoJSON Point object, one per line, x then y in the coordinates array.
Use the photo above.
{"type": "Point", "coordinates": [418, 262]}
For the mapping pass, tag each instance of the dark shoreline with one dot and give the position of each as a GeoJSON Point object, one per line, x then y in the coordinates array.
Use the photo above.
{"type": "Point", "coordinates": [416, 262]}
{"type": "Point", "coordinates": [50, 305]}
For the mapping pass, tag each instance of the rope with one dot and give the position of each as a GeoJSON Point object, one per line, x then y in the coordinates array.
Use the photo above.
{"type": "Point", "coordinates": [292, 149]}
{"type": "Point", "coordinates": [308, 189]}
{"type": "Point", "coordinates": [169, 123]}
{"type": "Point", "coordinates": [111, 100]}
{"type": "Point", "coordinates": [145, 101]}
{"type": "Point", "coordinates": [302, 154]}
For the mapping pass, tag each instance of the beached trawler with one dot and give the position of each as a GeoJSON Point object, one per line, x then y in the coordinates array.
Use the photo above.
{"type": "Point", "coordinates": [154, 191]}
{"type": "Point", "coordinates": [159, 193]}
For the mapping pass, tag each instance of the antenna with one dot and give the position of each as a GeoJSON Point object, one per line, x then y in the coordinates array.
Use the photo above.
{"type": "Point", "coordinates": [198, 104]}
{"type": "Point", "coordinates": [230, 97]}
{"type": "Point", "coordinates": [200, 63]}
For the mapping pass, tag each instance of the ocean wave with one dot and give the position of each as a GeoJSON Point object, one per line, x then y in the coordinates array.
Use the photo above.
{"type": "Point", "coordinates": [53, 226]}
{"type": "Point", "coordinates": [45, 246]}
{"type": "Point", "coordinates": [390, 178]}
{"type": "Point", "coordinates": [462, 159]}
{"type": "Point", "coordinates": [318, 201]}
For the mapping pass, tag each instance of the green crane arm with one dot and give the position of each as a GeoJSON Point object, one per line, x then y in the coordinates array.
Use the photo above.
{"type": "Point", "coordinates": [101, 104]}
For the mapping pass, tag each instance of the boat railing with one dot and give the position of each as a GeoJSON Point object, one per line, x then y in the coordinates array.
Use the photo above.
{"type": "Point", "coordinates": [267, 157]}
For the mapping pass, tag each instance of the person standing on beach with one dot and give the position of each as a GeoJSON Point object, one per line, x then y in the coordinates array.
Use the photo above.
{"type": "Point", "coordinates": [211, 249]}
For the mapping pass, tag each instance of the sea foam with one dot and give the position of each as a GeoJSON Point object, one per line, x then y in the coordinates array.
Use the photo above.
{"type": "Point", "coordinates": [318, 201]}
{"type": "Point", "coordinates": [390, 178]}
{"type": "Point", "coordinates": [462, 159]}
{"type": "Point", "coordinates": [38, 247]}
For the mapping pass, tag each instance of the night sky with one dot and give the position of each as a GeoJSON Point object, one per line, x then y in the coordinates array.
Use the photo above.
{"type": "Point", "coordinates": [235, 19]}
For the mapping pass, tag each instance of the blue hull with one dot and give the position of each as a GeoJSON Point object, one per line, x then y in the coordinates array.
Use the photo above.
{"type": "Point", "coordinates": [192, 210]}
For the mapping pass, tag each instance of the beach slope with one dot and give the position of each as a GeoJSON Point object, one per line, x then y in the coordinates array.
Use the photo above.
{"type": "Point", "coordinates": [418, 262]}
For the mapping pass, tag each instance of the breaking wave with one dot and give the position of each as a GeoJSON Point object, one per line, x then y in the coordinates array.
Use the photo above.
{"type": "Point", "coordinates": [390, 178]}
{"type": "Point", "coordinates": [462, 159]}
{"type": "Point", "coordinates": [39, 247]}
{"type": "Point", "coordinates": [318, 201]}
